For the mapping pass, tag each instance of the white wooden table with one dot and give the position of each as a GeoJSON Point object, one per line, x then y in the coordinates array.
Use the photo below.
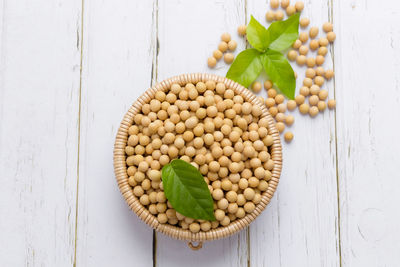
{"type": "Point", "coordinates": [69, 69]}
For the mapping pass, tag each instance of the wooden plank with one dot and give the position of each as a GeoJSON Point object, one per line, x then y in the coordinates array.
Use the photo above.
{"type": "Point", "coordinates": [39, 96]}
{"type": "Point", "coordinates": [119, 48]}
{"type": "Point", "coordinates": [188, 33]}
{"type": "Point", "coordinates": [368, 96]}
{"type": "Point", "coordinates": [300, 224]}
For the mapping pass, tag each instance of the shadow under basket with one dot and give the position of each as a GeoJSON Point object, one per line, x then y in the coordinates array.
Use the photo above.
{"type": "Point", "coordinates": [120, 167]}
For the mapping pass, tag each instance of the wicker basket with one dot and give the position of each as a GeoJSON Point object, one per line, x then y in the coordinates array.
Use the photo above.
{"type": "Point", "coordinates": [142, 212]}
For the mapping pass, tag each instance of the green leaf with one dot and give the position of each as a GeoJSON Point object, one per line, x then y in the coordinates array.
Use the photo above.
{"type": "Point", "coordinates": [257, 35]}
{"type": "Point", "coordinates": [280, 72]}
{"type": "Point", "coordinates": [282, 34]}
{"type": "Point", "coordinates": [186, 190]}
{"type": "Point", "coordinates": [246, 67]}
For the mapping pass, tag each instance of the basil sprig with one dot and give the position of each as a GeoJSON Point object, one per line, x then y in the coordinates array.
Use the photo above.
{"type": "Point", "coordinates": [266, 54]}
{"type": "Point", "coordinates": [186, 190]}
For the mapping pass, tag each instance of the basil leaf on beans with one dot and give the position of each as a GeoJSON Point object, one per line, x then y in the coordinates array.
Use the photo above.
{"type": "Point", "coordinates": [186, 190]}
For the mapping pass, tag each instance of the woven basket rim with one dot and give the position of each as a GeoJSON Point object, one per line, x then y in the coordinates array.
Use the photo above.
{"type": "Point", "coordinates": [121, 170]}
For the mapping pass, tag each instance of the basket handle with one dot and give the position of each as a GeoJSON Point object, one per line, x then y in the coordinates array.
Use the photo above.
{"type": "Point", "coordinates": [197, 247]}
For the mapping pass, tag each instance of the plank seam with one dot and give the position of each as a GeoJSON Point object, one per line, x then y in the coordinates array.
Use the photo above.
{"type": "Point", "coordinates": [2, 65]}
{"type": "Point", "coordinates": [79, 130]}
{"type": "Point", "coordinates": [154, 78]}
{"type": "Point", "coordinates": [248, 228]}
{"type": "Point", "coordinates": [332, 50]}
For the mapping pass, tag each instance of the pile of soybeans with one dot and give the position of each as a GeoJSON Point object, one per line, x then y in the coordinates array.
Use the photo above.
{"type": "Point", "coordinates": [214, 129]}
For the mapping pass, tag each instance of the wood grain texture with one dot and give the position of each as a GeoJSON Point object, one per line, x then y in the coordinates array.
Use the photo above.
{"type": "Point", "coordinates": [39, 96]}
{"type": "Point", "coordinates": [300, 226]}
{"type": "Point", "coordinates": [57, 127]}
{"type": "Point", "coordinates": [367, 78]}
{"type": "Point", "coordinates": [119, 48]}
{"type": "Point", "coordinates": [188, 32]}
